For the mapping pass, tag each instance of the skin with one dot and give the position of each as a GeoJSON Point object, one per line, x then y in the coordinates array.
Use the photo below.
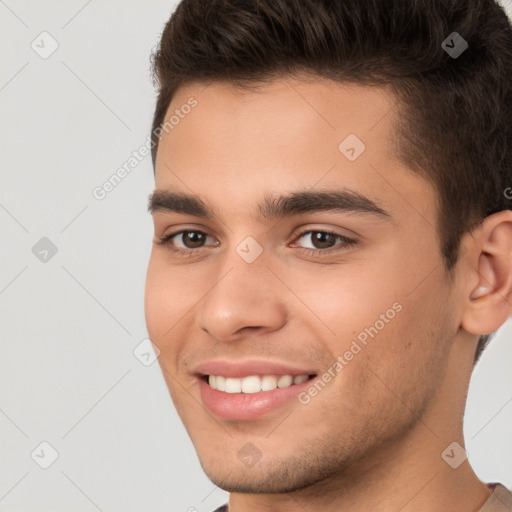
{"type": "Point", "coordinates": [372, 439]}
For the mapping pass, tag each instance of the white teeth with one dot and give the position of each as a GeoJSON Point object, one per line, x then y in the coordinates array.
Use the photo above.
{"type": "Point", "coordinates": [233, 385]}
{"type": "Point", "coordinates": [253, 383]}
{"type": "Point", "coordinates": [268, 383]}
{"type": "Point", "coordinates": [284, 381]}
{"type": "Point", "coordinates": [221, 382]}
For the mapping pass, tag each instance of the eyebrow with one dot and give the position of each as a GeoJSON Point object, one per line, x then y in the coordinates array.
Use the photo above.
{"type": "Point", "coordinates": [272, 207]}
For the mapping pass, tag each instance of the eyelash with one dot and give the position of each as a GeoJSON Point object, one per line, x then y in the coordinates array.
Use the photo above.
{"type": "Point", "coordinates": [347, 242]}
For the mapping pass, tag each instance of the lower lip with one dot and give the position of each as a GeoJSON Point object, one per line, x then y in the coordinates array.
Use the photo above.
{"type": "Point", "coordinates": [247, 406]}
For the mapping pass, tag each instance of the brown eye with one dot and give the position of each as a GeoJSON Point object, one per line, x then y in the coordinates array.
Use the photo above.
{"type": "Point", "coordinates": [322, 240]}
{"type": "Point", "coordinates": [325, 241]}
{"type": "Point", "coordinates": [192, 239]}
{"type": "Point", "coordinates": [185, 241]}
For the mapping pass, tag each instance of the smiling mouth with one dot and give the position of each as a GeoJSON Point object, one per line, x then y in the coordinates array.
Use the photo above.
{"type": "Point", "coordinates": [254, 383]}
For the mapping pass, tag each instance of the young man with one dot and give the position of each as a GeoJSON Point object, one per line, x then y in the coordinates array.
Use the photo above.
{"type": "Point", "coordinates": [333, 241]}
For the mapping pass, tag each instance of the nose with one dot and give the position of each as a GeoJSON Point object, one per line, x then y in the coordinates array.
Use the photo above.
{"type": "Point", "coordinates": [243, 297]}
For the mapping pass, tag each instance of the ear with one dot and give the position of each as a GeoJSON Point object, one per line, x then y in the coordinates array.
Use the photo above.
{"type": "Point", "coordinates": [489, 301]}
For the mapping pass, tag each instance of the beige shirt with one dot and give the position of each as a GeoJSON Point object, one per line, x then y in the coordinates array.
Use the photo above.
{"type": "Point", "coordinates": [500, 500]}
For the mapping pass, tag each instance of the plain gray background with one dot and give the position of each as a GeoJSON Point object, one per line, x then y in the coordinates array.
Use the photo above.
{"type": "Point", "coordinates": [72, 320]}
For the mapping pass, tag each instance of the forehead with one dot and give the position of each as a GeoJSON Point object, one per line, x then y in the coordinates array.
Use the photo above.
{"type": "Point", "coordinates": [282, 113]}
{"type": "Point", "coordinates": [286, 135]}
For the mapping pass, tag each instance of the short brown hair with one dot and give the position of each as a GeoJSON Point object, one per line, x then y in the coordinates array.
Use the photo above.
{"type": "Point", "coordinates": [454, 122]}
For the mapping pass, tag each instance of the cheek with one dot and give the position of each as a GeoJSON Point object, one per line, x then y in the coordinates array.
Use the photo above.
{"type": "Point", "coordinates": [389, 296]}
{"type": "Point", "coordinates": [162, 312]}
{"type": "Point", "coordinates": [155, 302]}
{"type": "Point", "coordinates": [170, 297]}
{"type": "Point", "coordinates": [167, 299]}
{"type": "Point", "coordinates": [390, 331]}
{"type": "Point", "coordinates": [341, 301]}
{"type": "Point", "coordinates": [407, 359]}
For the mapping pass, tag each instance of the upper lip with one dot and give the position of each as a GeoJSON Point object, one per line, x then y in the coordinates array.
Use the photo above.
{"type": "Point", "coordinates": [250, 367]}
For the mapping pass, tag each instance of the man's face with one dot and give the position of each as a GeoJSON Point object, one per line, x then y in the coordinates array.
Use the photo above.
{"type": "Point", "coordinates": [275, 295]}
